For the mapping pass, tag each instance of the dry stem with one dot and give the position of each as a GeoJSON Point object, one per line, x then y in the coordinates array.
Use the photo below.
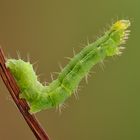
{"type": "Point", "coordinates": [23, 107]}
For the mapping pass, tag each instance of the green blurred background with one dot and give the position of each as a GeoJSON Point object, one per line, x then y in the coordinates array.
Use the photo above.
{"type": "Point", "coordinates": [109, 105]}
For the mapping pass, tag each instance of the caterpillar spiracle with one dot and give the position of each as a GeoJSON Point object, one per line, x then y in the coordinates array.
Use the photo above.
{"type": "Point", "coordinates": [40, 97]}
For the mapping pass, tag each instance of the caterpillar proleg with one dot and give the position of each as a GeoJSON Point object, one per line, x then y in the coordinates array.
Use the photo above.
{"type": "Point", "coordinates": [41, 97]}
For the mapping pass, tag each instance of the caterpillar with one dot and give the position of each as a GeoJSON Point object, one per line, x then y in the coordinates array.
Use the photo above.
{"type": "Point", "coordinates": [42, 97]}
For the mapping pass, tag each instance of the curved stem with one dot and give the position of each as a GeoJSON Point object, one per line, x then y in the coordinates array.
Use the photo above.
{"type": "Point", "coordinates": [22, 105]}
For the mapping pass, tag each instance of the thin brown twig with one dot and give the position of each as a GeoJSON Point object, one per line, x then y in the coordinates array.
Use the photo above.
{"type": "Point", "coordinates": [22, 105]}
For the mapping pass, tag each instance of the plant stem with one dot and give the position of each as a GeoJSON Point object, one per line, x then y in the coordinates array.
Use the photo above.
{"type": "Point", "coordinates": [22, 105]}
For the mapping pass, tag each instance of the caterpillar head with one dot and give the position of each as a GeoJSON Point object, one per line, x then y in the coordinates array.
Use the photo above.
{"type": "Point", "coordinates": [118, 35]}
{"type": "Point", "coordinates": [22, 71]}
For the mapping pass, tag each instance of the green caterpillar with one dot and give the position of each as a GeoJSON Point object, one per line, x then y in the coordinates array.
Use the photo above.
{"type": "Point", "coordinates": [41, 97]}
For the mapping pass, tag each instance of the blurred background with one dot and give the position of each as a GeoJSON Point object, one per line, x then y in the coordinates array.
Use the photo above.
{"type": "Point", "coordinates": [109, 105]}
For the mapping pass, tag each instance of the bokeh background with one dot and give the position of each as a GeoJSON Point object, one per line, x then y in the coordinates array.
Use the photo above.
{"type": "Point", "coordinates": [109, 105]}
